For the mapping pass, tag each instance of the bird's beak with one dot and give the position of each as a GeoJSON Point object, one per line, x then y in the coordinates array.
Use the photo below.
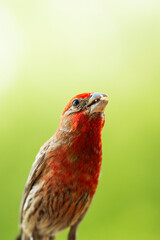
{"type": "Point", "coordinates": [97, 102]}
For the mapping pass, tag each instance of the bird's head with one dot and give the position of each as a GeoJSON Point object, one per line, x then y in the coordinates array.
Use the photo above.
{"type": "Point", "coordinates": [81, 109]}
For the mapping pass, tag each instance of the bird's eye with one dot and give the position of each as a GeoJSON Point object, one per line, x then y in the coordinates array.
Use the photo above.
{"type": "Point", "coordinates": [75, 102]}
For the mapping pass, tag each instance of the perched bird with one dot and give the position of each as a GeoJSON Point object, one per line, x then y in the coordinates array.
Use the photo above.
{"type": "Point", "coordinates": [64, 176]}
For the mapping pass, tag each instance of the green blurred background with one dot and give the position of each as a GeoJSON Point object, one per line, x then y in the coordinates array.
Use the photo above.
{"type": "Point", "coordinates": [52, 50]}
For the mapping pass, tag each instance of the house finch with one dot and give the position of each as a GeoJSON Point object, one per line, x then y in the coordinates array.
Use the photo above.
{"type": "Point", "coordinates": [64, 176]}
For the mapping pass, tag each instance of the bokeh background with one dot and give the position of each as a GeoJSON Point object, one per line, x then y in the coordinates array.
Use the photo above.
{"type": "Point", "coordinates": [50, 51]}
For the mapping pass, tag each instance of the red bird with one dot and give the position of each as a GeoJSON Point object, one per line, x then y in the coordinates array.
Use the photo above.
{"type": "Point", "coordinates": [65, 174]}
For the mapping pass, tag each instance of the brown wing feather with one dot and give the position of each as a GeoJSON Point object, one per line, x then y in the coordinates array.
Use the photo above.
{"type": "Point", "coordinates": [64, 208]}
{"type": "Point", "coordinates": [35, 172]}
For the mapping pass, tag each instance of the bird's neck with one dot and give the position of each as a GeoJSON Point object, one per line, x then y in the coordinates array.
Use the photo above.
{"type": "Point", "coordinates": [88, 140]}
{"type": "Point", "coordinates": [82, 154]}
{"type": "Point", "coordinates": [87, 157]}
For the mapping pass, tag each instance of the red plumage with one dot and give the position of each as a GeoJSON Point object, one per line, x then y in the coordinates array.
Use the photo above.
{"type": "Point", "coordinates": [64, 176]}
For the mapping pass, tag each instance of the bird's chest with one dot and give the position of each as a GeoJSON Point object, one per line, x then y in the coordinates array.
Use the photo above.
{"type": "Point", "coordinates": [79, 172]}
{"type": "Point", "coordinates": [86, 169]}
{"type": "Point", "coordinates": [78, 166]}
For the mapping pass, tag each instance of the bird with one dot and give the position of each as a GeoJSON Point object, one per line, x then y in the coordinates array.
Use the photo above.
{"type": "Point", "coordinates": [64, 177]}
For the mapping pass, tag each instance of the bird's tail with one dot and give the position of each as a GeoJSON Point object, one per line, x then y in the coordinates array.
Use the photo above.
{"type": "Point", "coordinates": [18, 237]}
{"type": "Point", "coordinates": [22, 237]}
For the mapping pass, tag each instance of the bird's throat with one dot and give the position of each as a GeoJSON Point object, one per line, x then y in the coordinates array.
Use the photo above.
{"type": "Point", "coordinates": [81, 162]}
